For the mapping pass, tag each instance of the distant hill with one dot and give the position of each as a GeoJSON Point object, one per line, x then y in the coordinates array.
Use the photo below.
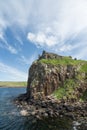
{"type": "Point", "coordinates": [12, 84]}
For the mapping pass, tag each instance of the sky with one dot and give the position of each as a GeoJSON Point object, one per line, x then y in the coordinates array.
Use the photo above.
{"type": "Point", "coordinates": [27, 27]}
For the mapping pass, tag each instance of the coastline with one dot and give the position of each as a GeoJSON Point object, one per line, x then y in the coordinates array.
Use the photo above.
{"type": "Point", "coordinates": [12, 84]}
{"type": "Point", "coordinates": [52, 108]}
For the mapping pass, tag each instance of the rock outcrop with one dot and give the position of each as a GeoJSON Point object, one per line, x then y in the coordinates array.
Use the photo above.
{"type": "Point", "coordinates": [51, 72]}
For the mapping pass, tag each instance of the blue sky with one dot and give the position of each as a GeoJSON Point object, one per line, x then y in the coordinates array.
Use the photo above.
{"type": "Point", "coordinates": [27, 27]}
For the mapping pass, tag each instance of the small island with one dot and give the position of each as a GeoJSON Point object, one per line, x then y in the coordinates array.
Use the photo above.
{"type": "Point", "coordinates": [56, 87]}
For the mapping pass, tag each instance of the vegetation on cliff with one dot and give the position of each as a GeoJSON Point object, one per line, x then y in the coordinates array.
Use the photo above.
{"type": "Point", "coordinates": [64, 77]}
{"type": "Point", "coordinates": [62, 61]}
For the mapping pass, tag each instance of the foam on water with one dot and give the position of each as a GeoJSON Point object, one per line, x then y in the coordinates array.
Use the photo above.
{"type": "Point", "coordinates": [14, 118]}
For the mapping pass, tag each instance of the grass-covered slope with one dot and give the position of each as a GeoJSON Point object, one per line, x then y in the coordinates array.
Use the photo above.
{"type": "Point", "coordinates": [62, 76]}
{"type": "Point", "coordinates": [64, 61]}
{"type": "Point", "coordinates": [70, 89]}
{"type": "Point", "coordinates": [67, 61]}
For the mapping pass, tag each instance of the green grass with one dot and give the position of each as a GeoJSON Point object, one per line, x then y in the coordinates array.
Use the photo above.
{"type": "Point", "coordinates": [66, 90]}
{"type": "Point", "coordinates": [12, 84]}
{"type": "Point", "coordinates": [62, 61]}
{"type": "Point", "coordinates": [83, 68]}
{"type": "Point", "coordinates": [84, 96]}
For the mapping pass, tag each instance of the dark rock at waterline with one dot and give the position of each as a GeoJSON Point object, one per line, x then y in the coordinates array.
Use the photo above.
{"type": "Point", "coordinates": [21, 97]}
{"type": "Point", "coordinates": [52, 108]}
{"type": "Point", "coordinates": [45, 77]}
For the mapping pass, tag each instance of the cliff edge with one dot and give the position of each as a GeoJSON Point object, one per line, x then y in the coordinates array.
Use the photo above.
{"type": "Point", "coordinates": [63, 77]}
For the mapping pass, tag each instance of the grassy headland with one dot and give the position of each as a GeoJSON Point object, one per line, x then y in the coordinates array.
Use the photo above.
{"type": "Point", "coordinates": [64, 61]}
{"type": "Point", "coordinates": [13, 84]}
{"type": "Point", "coordinates": [71, 87]}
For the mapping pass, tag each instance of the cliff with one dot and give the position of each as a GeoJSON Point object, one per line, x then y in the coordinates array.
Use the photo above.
{"type": "Point", "coordinates": [63, 77]}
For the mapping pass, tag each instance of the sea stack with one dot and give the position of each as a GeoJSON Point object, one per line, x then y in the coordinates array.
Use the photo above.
{"type": "Point", "coordinates": [51, 72]}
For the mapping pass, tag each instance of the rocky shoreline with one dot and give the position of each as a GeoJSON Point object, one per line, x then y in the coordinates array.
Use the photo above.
{"type": "Point", "coordinates": [55, 88]}
{"type": "Point", "coordinates": [51, 107]}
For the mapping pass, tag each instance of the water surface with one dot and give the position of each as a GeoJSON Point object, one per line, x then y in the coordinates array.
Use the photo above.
{"type": "Point", "coordinates": [11, 119]}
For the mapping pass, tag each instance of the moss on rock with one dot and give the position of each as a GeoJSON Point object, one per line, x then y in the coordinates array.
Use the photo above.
{"type": "Point", "coordinates": [64, 77]}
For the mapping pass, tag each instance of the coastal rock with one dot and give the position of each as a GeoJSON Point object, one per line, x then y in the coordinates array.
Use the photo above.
{"type": "Point", "coordinates": [46, 76]}
{"type": "Point", "coordinates": [50, 72]}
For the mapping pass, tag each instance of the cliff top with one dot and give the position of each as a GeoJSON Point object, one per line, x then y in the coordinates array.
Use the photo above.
{"type": "Point", "coordinates": [54, 59]}
{"type": "Point", "coordinates": [47, 55]}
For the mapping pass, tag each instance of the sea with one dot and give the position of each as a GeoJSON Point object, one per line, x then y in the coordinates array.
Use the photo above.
{"type": "Point", "coordinates": [12, 119]}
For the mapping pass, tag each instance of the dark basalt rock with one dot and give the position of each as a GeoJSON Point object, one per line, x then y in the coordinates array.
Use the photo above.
{"type": "Point", "coordinates": [44, 79]}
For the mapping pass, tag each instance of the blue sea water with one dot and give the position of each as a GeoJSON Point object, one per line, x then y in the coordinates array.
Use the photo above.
{"type": "Point", "coordinates": [11, 119]}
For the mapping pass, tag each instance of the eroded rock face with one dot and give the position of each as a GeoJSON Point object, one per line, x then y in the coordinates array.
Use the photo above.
{"type": "Point", "coordinates": [44, 79]}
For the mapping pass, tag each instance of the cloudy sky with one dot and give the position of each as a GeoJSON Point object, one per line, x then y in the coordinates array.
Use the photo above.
{"type": "Point", "coordinates": [27, 27]}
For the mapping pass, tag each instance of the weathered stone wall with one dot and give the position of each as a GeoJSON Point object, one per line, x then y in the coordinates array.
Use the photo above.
{"type": "Point", "coordinates": [46, 55]}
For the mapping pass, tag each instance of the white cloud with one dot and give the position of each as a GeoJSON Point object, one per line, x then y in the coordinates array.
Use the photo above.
{"type": "Point", "coordinates": [27, 61]}
{"type": "Point", "coordinates": [66, 48]}
{"type": "Point", "coordinates": [12, 73]}
{"type": "Point", "coordinates": [80, 50]}
{"type": "Point", "coordinates": [19, 40]}
{"type": "Point", "coordinates": [11, 49]}
{"type": "Point", "coordinates": [14, 13]}
{"type": "Point", "coordinates": [1, 36]}
{"type": "Point", "coordinates": [64, 12]}
{"type": "Point", "coordinates": [65, 20]}
{"type": "Point", "coordinates": [52, 22]}
{"type": "Point", "coordinates": [42, 39]}
{"type": "Point", "coordinates": [7, 46]}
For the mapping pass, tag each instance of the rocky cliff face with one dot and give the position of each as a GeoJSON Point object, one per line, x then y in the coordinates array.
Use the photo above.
{"type": "Point", "coordinates": [51, 72]}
